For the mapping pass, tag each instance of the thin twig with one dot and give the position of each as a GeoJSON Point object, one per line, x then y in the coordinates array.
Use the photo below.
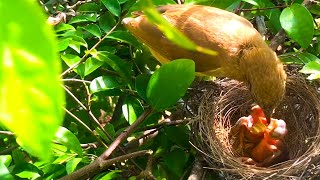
{"type": "Point", "coordinates": [76, 80]}
{"type": "Point", "coordinates": [100, 165]}
{"type": "Point", "coordinates": [165, 123]}
{"type": "Point", "coordinates": [263, 9]}
{"type": "Point", "coordinates": [125, 134]}
{"type": "Point", "coordinates": [85, 126]}
{"type": "Point", "coordinates": [84, 57]}
{"type": "Point", "coordinates": [8, 150]}
{"type": "Point", "coordinates": [9, 133]}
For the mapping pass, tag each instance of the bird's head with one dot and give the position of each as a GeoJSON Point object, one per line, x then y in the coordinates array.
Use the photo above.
{"type": "Point", "coordinates": [265, 77]}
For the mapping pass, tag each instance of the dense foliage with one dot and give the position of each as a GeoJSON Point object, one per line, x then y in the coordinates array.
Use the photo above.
{"type": "Point", "coordinates": [114, 88]}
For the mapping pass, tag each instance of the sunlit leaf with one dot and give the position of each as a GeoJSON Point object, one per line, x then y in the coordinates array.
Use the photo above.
{"type": "Point", "coordinates": [83, 18]}
{"type": "Point", "coordinates": [31, 96]}
{"type": "Point", "coordinates": [312, 68]}
{"type": "Point", "coordinates": [298, 57]}
{"type": "Point", "coordinates": [124, 36]}
{"type": "Point", "coordinates": [103, 83]}
{"type": "Point", "coordinates": [4, 173]}
{"type": "Point", "coordinates": [131, 109]}
{"type": "Point", "coordinates": [297, 21]}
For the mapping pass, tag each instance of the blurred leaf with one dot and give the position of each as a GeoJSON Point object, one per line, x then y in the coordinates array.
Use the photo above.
{"type": "Point", "coordinates": [4, 172]}
{"type": "Point", "coordinates": [273, 16]}
{"type": "Point", "coordinates": [297, 21]}
{"type": "Point", "coordinates": [175, 161]}
{"type": "Point", "coordinates": [93, 29]}
{"type": "Point", "coordinates": [312, 68]}
{"type": "Point", "coordinates": [215, 3]}
{"type": "Point", "coordinates": [142, 81]}
{"type": "Point", "coordinates": [124, 36]}
{"type": "Point", "coordinates": [106, 22]}
{"type": "Point", "coordinates": [68, 139]}
{"type": "Point", "coordinates": [173, 34]}
{"type": "Point", "coordinates": [89, 7]}
{"type": "Point", "coordinates": [169, 83]}
{"type": "Point", "coordinates": [103, 83]}
{"type": "Point", "coordinates": [31, 95]}
{"type": "Point", "coordinates": [5, 159]}
{"type": "Point", "coordinates": [298, 57]}
{"type": "Point", "coordinates": [113, 6]}
{"type": "Point", "coordinates": [131, 109]}
{"type": "Point", "coordinates": [72, 164]}
{"type": "Point", "coordinates": [83, 18]}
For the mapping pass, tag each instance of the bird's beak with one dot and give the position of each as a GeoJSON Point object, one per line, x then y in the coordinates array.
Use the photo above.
{"type": "Point", "coordinates": [268, 113]}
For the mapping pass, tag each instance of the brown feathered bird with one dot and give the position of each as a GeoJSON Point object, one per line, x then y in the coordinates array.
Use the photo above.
{"type": "Point", "coordinates": [242, 53]}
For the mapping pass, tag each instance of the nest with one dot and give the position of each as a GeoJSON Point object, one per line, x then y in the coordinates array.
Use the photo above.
{"type": "Point", "coordinates": [224, 102]}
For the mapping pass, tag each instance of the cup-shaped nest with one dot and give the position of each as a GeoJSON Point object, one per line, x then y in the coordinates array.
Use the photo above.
{"type": "Point", "coordinates": [224, 102]}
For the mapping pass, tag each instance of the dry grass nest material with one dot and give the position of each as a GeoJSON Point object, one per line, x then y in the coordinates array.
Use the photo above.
{"type": "Point", "coordinates": [224, 102]}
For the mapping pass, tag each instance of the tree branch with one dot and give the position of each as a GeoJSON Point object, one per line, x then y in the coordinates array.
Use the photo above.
{"type": "Point", "coordinates": [101, 162]}
{"type": "Point", "coordinates": [100, 165]}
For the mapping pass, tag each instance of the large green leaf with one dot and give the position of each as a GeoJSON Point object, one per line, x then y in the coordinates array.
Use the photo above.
{"type": "Point", "coordinates": [170, 82]}
{"type": "Point", "coordinates": [297, 21]}
{"type": "Point", "coordinates": [30, 93]}
{"type": "Point", "coordinates": [72, 164]}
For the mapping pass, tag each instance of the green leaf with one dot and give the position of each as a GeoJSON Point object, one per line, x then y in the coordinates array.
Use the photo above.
{"type": "Point", "coordinates": [27, 170]}
{"type": "Point", "coordinates": [91, 65]}
{"type": "Point", "coordinates": [116, 63]}
{"type": "Point", "coordinates": [5, 159]}
{"type": "Point", "coordinates": [68, 139]}
{"type": "Point", "coordinates": [124, 36]}
{"type": "Point", "coordinates": [31, 95]}
{"type": "Point", "coordinates": [142, 81]}
{"type": "Point", "coordinates": [72, 164]}
{"type": "Point", "coordinates": [93, 29]}
{"type": "Point", "coordinates": [110, 130]}
{"type": "Point", "coordinates": [297, 21]}
{"type": "Point", "coordinates": [89, 7]}
{"type": "Point", "coordinates": [113, 6]}
{"type": "Point", "coordinates": [70, 59]}
{"type": "Point", "coordinates": [169, 83]}
{"type": "Point", "coordinates": [175, 161]}
{"type": "Point", "coordinates": [63, 44]}
{"type": "Point", "coordinates": [111, 175]}
{"type": "Point", "coordinates": [107, 21]}
{"type": "Point", "coordinates": [103, 83]}
{"type": "Point", "coordinates": [4, 173]}
{"type": "Point", "coordinates": [84, 18]}
{"type": "Point", "coordinates": [64, 27]}
{"type": "Point", "coordinates": [131, 109]}
{"type": "Point", "coordinates": [312, 68]}
{"type": "Point", "coordinates": [298, 57]}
